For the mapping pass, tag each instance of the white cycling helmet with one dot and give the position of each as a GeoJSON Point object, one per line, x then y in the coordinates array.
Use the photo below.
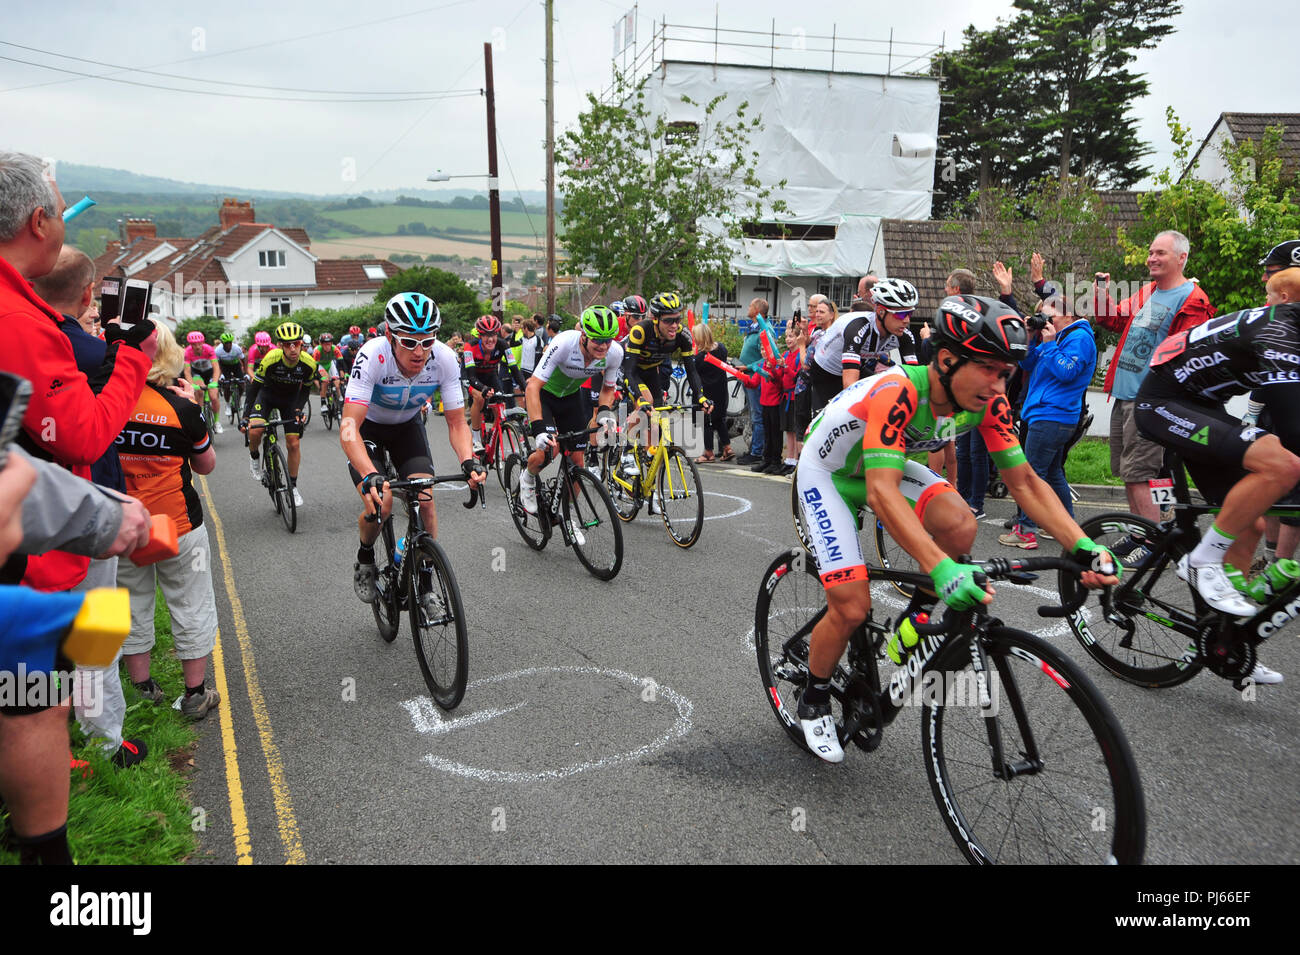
{"type": "Point", "coordinates": [306, 340]}
{"type": "Point", "coordinates": [897, 295]}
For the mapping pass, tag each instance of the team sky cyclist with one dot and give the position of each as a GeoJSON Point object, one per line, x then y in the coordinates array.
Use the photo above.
{"type": "Point", "coordinates": [199, 360]}
{"type": "Point", "coordinates": [328, 356]}
{"type": "Point", "coordinates": [230, 361]}
{"type": "Point", "coordinates": [394, 375]}
{"type": "Point", "coordinates": [483, 358]}
{"type": "Point", "coordinates": [854, 454]}
{"type": "Point", "coordinates": [1245, 469]}
{"type": "Point", "coordinates": [553, 398]}
{"type": "Point", "coordinates": [652, 343]}
{"type": "Point", "coordinates": [280, 387]}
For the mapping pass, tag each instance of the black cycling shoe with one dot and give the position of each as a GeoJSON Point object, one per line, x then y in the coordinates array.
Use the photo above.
{"type": "Point", "coordinates": [363, 581]}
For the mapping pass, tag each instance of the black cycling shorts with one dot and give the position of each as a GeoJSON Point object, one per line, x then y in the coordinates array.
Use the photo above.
{"type": "Point", "coordinates": [406, 444]}
{"type": "Point", "coordinates": [287, 405]}
{"type": "Point", "coordinates": [570, 413]}
{"type": "Point", "coordinates": [1211, 442]}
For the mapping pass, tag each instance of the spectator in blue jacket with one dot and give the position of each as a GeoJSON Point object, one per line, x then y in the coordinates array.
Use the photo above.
{"type": "Point", "coordinates": [1060, 365]}
{"type": "Point", "coordinates": [751, 359]}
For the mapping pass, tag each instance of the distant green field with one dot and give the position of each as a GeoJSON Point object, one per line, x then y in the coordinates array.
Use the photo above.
{"type": "Point", "coordinates": [384, 220]}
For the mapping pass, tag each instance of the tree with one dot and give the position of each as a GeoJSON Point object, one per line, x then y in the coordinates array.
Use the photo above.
{"type": "Point", "coordinates": [653, 206]}
{"type": "Point", "coordinates": [1082, 49]}
{"type": "Point", "coordinates": [1230, 225]}
{"type": "Point", "coordinates": [457, 303]}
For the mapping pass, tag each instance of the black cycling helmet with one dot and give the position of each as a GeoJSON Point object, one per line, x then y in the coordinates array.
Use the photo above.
{"type": "Point", "coordinates": [665, 303]}
{"type": "Point", "coordinates": [1284, 255]}
{"type": "Point", "coordinates": [972, 326]}
{"type": "Point", "coordinates": [635, 305]}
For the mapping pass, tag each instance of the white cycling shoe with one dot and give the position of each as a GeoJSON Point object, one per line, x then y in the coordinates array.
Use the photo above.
{"type": "Point", "coordinates": [1264, 676]}
{"type": "Point", "coordinates": [528, 491]}
{"type": "Point", "coordinates": [255, 468]}
{"type": "Point", "coordinates": [297, 498]}
{"type": "Point", "coordinates": [1212, 583]}
{"type": "Point", "coordinates": [819, 732]}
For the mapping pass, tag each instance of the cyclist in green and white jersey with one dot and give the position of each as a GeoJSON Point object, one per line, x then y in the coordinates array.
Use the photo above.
{"type": "Point", "coordinates": [552, 397]}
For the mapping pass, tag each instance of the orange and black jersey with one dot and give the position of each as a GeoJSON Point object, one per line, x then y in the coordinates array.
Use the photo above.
{"type": "Point", "coordinates": [155, 447]}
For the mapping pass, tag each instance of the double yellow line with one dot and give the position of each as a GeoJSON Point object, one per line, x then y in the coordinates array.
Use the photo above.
{"type": "Point", "coordinates": [287, 821]}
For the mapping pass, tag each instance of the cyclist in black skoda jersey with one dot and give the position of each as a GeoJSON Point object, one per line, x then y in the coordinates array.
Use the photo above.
{"type": "Point", "coordinates": [652, 343]}
{"type": "Point", "coordinates": [1246, 469]}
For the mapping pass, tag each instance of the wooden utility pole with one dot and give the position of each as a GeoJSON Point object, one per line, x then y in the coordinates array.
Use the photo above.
{"type": "Point", "coordinates": [494, 190]}
{"type": "Point", "coordinates": [550, 158]}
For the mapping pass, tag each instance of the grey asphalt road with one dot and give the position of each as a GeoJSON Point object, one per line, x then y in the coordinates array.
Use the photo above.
{"type": "Point", "coordinates": [621, 721]}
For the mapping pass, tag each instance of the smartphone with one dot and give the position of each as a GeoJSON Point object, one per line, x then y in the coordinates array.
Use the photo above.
{"type": "Point", "coordinates": [110, 300]}
{"type": "Point", "coordinates": [135, 302]}
{"type": "Point", "coordinates": [15, 392]}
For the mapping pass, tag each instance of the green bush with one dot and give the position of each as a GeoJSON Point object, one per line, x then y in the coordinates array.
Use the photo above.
{"type": "Point", "coordinates": [314, 321]}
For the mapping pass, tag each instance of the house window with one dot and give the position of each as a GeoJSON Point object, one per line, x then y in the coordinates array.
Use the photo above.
{"type": "Point", "coordinates": [272, 259]}
{"type": "Point", "coordinates": [791, 231]}
{"type": "Point", "coordinates": [280, 306]}
{"type": "Point", "coordinates": [682, 132]}
{"type": "Point", "coordinates": [839, 290]}
{"type": "Point", "coordinates": [375, 273]}
{"type": "Point", "coordinates": [216, 308]}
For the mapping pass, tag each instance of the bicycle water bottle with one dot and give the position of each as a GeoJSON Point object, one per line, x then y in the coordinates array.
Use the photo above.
{"type": "Point", "coordinates": [398, 552]}
{"type": "Point", "coordinates": [629, 463]}
{"type": "Point", "coordinates": [1276, 577]}
{"type": "Point", "coordinates": [905, 637]}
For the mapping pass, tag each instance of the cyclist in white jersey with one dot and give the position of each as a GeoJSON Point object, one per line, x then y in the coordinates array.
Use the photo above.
{"type": "Point", "coordinates": [392, 377]}
{"type": "Point", "coordinates": [552, 397]}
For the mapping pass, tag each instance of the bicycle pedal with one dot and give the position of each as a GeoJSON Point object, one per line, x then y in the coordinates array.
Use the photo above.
{"type": "Point", "coordinates": [787, 670]}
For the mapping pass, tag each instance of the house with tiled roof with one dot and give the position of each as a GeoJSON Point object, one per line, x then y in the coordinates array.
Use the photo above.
{"type": "Point", "coordinates": [240, 270]}
{"type": "Point", "coordinates": [1235, 128]}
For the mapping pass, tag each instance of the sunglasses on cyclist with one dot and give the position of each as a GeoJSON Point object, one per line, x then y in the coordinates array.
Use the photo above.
{"type": "Point", "coordinates": [410, 344]}
{"type": "Point", "coordinates": [904, 314]}
{"type": "Point", "coordinates": [671, 319]}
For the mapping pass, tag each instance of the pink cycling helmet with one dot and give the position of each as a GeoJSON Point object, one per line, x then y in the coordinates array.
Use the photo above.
{"type": "Point", "coordinates": [262, 338]}
{"type": "Point", "coordinates": [194, 338]}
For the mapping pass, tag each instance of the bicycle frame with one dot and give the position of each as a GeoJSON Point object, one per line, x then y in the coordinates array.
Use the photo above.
{"type": "Point", "coordinates": [650, 470]}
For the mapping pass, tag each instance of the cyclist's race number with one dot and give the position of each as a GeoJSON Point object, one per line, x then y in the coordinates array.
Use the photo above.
{"type": "Point", "coordinates": [1162, 491]}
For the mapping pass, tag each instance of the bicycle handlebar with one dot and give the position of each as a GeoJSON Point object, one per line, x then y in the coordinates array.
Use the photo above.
{"type": "Point", "coordinates": [403, 487]}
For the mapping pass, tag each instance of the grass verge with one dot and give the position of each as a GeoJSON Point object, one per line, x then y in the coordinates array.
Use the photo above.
{"type": "Point", "coordinates": [141, 815]}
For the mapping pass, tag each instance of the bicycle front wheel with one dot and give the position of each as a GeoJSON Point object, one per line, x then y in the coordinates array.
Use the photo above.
{"type": "Point", "coordinates": [681, 500]}
{"type": "Point", "coordinates": [438, 625]}
{"type": "Point", "coordinates": [1066, 790]}
{"type": "Point", "coordinates": [596, 532]}
{"type": "Point", "coordinates": [283, 492]}
{"type": "Point", "coordinates": [535, 529]}
{"type": "Point", "coordinates": [624, 489]}
{"type": "Point", "coordinates": [1135, 640]}
{"type": "Point", "coordinates": [513, 441]}
{"type": "Point", "coordinates": [327, 413]}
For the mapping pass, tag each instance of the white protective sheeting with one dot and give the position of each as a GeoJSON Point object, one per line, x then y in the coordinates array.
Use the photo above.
{"type": "Point", "coordinates": [832, 137]}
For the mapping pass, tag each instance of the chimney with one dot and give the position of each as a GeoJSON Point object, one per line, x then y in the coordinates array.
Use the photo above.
{"type": "Point", "coordinates": [234, 212]}
{"type": "Point", "coordinates": [113, 248]}
{"type": "Point", "coordinates": [138, 228]}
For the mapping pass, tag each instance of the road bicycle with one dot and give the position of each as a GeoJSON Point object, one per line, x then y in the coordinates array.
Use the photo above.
{"type": "Point", "coordinates": [1141, 630]}
{"type": "Point", "coordinates": [667, 478]}
{"type": "Point", "coordinates": [275, 472]}
{"type": "Point", "coordinates": [888, 553]}
{"type": "Point", "coordinates": [232, 391]}
{"type": "Point", "coordinates": [1026, 761]}
{"type": "Point", "coordinates": [331, 408]}
{"type": "Point", "coordinates": [416, 577]}
{"type": "Point", "coordinates": [575, 501]}
{"type": "Point", "coordinates": [504, 435]}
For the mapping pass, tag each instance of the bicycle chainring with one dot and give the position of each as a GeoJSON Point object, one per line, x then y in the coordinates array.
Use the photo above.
{"type": "Point", "coordinates": [1226, 654]}
{"type": "Point", "coordinates": [860, 707]}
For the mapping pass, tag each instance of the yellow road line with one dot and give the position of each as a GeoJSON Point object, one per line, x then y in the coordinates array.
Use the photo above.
{"type": "Point", "coordinates": [288, 823]}
{"type": "Point", "coordinates": [238, 817]}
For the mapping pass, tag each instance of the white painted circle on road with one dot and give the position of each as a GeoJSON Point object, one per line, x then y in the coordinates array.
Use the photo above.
{"type": "Point", "coordinates": [745, 504]}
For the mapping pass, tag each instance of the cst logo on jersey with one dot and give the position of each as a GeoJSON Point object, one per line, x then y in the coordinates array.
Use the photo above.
{"type": "Point", "coordinates": [899, 415]}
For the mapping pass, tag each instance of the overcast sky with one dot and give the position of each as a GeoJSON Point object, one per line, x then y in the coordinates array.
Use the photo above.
{"type": "Point", "coordinates": [1217, 61]}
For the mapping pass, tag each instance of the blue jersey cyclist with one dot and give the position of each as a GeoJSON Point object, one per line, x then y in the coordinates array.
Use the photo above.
{"type": "Point", "coordinates": [855, 454]}
{"type": "Point", "coordinates": [392, 377]}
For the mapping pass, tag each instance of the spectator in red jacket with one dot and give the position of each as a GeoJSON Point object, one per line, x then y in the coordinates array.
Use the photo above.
{"type": "Point", "coordinates": [1166, 305]}
{"type": "Point", "coordinates": [66, 422]}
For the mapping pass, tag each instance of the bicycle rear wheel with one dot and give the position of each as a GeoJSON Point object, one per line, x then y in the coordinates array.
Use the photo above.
{"type": "Point", "coordinates": [681, 499]}
{"type": "Point", "coordinates": [438, 625]}
{"type": "Point", "coordinates": [791, 600]}
{"type": "Point", "coordinates": [535, 529]}
{"type": "Point", "coordinates": [1135, 641]}
{"type": "Point", "coordinates": [387, 605]}
{"type": "Point", "coordinates": [1068, 790]}
{"type": "Point", "coordinates": [283, 492]}
{"type": "Point", "coordinates": [624, 489]}
{"type": "Point", "coordinates": [890, 554]}
{"type": "Point", "coordinates": [327, 412]}
{"type": "Point", "coordinates": [597, 534]}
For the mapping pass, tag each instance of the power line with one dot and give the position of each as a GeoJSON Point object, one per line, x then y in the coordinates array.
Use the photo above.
{"type": "Point", "coordinates": [281, 99]}
{"type": "Point", "coordinates": [196, 79]}
{"type": "Point", "coordinates": [268, 43]}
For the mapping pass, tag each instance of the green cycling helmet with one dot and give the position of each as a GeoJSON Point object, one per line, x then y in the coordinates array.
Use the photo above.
{"type": "Point", "coordinates": [600, 322]}
{"type": "Point", "coordinates": [227, 338]}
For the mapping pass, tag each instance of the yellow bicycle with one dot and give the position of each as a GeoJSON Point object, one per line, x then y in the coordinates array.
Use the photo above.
{"type": "Point", "coordinates": [663, 475]}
